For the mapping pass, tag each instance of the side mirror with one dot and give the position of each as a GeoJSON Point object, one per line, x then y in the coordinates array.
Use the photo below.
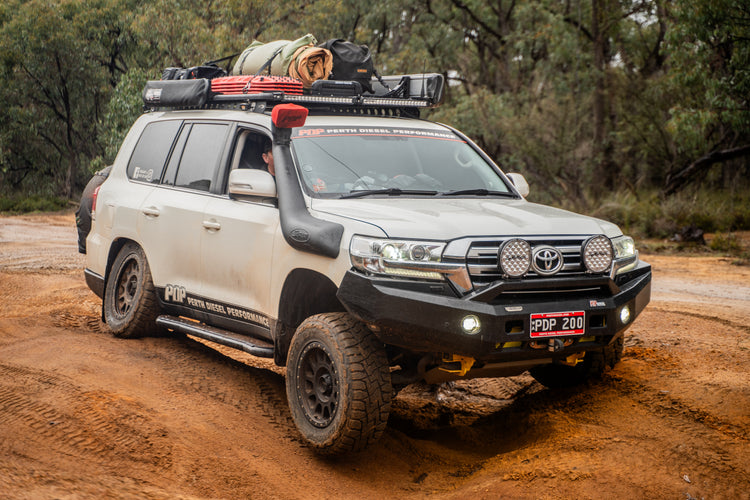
{"type": "Point", "coordinates": [520, 182]}
{"type": "Point", "coordinates": [251, 182]}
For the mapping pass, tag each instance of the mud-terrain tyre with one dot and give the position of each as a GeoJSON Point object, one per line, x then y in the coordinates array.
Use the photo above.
{"type": "Point", "coordinates": [338, 384]}
{"type": "Point", "coordinates": [130, 302]}
{"type": "Point", "coordinates": [556, 376]}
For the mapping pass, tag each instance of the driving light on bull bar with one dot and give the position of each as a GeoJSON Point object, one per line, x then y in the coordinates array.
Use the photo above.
{"type": "Point", "coordinates": [625, 315]}
{"type": "Point", "coordinates": [597, 254]}
{"type": "Point", "coordinates": [514, 257]}
{"type": "Point", "coordinates": [403, 258]}
{"type": "Point", "coordinates": [470, 324]}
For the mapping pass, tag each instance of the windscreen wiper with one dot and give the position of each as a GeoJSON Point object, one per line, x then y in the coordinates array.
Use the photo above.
{"type": "Point", "coordinates": [479, 192]}
{"type": "Point", "coordinates": [389, 191]}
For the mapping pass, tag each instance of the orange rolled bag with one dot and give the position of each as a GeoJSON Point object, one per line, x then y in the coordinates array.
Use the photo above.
{"type": "Point", "coordinates": [299, 59]}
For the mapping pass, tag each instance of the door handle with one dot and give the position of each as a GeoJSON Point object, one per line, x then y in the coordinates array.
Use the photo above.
{"type": "Point", "coordinates": [151, 212]}
{"type": "Point", "coordinates": [211, 225]}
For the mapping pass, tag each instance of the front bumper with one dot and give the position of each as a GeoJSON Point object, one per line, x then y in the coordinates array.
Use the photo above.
{"type": "Point", "coordinates": [427, 319]}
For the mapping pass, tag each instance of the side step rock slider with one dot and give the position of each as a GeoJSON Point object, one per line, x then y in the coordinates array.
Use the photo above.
{"type": "Point", "coordinates": [217, 335]}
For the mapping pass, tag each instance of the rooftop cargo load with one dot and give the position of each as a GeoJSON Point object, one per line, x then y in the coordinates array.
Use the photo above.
{"type": "Point", "coordinates": [299, 59]}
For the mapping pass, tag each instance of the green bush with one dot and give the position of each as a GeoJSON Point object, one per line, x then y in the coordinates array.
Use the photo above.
{"type": "Point", "coordinates": [726, 243]}
{"type": "Point", "coordinates": [34, 203]}
{"type": "Point", "coordinates": [649, 216]}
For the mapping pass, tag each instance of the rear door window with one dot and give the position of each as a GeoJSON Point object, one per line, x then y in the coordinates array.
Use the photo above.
{"type": "Point", "coordinates": [201, 156]}
{"type": "Point", "coordinates": [151, 152]}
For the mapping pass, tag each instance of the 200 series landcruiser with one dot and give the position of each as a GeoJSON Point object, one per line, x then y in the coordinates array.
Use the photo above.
{"type": "Point", "coordinates": [386, 250]}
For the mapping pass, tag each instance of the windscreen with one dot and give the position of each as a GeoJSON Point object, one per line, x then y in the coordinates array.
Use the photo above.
{"type": "Point", "coordinates": [340, 161]}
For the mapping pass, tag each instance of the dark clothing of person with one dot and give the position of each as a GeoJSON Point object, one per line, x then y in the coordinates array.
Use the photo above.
{"type": "Point", "coordinates": [83, 214]}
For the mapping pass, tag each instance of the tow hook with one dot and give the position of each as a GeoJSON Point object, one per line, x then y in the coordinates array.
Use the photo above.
{"type": "Point", "coordinates": [457, 364]}
{"type": "Point", "coordinates": [573, 359]}
{"type": "Point", "coordinates": [555, 345]}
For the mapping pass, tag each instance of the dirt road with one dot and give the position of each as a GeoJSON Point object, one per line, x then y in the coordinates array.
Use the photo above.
{"type": "Point", "coordinates": [86, 415]}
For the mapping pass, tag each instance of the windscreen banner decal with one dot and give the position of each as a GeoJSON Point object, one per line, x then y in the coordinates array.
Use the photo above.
{"type": "Point", "coordinates": [375, 131]}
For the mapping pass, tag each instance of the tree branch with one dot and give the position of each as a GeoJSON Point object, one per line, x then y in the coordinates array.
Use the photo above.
{"type": "Point", "coordinates": [677, 180]}
{"type": "Point", "coordinates": [579, 27]}
{"type": "Point", "coordinates": [462, 6]}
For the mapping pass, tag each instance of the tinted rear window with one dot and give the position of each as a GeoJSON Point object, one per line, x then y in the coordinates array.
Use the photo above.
{"type": "Point", "coordinates": [201, 155]}
{"type": "Point", "coordinates": [152, 150]}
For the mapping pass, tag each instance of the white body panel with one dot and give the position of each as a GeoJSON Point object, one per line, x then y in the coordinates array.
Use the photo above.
{"type": "Point", "coordinates": [451, 218]}
{"type": "Point", "coordinates": [170, 228]}
{"type": "Point", "coordinates": [238, 252]}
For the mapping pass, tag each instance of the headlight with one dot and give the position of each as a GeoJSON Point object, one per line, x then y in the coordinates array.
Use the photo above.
{"type": "Point", "coordinates": [624, 247]}
{"type": "Point", "coordinates": [626, 256]}
{"type": "Point", "coordinates": [597, 254]}
{"type": "Point", "coordinates": [405, 258]}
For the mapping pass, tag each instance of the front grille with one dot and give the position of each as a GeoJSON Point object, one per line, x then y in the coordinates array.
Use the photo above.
{"type": "Point", "coordinates": [481, 258]}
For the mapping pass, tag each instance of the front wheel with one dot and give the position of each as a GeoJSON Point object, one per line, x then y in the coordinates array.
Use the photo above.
{"type": "Point", "coordinates": [338, 384]}
{"type": "Point", "coordinates": [130, 302]}
{"type": "Point", "coordinates": [556, 376]}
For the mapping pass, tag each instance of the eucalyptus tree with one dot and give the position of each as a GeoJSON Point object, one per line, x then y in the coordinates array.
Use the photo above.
{"type": "Point", "coordinates": [58, 63]}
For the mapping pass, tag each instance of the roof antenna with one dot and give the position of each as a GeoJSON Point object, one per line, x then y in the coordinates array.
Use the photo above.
{"type": "Point", "coordinates": [424, 67]}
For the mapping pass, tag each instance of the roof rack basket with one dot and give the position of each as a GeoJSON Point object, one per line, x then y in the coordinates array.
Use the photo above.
{"type": "Point", "coordinates": [406, 92]}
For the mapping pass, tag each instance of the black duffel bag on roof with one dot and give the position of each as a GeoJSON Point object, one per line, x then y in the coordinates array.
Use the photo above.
{"type": "Point", "coordinates": [351, 62]}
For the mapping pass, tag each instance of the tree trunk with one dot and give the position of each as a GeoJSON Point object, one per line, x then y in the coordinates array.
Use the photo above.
{"type": "Point", "coordinates": [604, 170]}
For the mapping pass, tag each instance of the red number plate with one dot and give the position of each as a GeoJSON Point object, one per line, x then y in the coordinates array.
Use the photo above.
{"type": "Point", "coordinates": [558, 324]}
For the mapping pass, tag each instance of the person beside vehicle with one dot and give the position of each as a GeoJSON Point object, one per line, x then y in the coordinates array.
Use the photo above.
{"type": "Point", "coordinates": [83, 214]}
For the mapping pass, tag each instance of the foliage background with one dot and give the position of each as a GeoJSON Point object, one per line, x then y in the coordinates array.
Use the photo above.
{"type": "Point", "coordinates": [622, 108]}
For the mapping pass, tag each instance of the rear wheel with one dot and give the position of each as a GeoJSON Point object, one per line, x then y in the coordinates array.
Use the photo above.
{"type": "Point", "coordinates": [130, 302]}
{"type": "Point", "coordinates": [556, 376]}
{"type": "Point", "coordinates": [338, 384]}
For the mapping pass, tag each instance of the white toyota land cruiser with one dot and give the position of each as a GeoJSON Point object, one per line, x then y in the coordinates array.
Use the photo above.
{"type": "Point", "coordinates": [386, 250]}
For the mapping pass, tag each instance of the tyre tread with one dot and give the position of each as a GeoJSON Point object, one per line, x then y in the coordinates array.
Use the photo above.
{"type": "Point", "coordinates": [143, 321]}
{"type": "Point", "coordinates": [369, 381]}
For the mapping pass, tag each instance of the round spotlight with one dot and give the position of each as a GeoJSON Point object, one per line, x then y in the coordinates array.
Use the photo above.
{"type": "Point", "coordinates": [470, 324]}
{"type": "Point", "coordinates": [597, 254]}
{"type": "Point", "coordinates": [514, 257]}
{"type": "Point", "coordinates": [625, 315]}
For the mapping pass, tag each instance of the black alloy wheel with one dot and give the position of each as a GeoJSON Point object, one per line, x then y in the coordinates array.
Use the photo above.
{"type": "Point", "coordinates": [130, 302]}
{"type": "Point", "coordinates": [320, 385]}
{"type": "Point", "coordinates": [338, 384]}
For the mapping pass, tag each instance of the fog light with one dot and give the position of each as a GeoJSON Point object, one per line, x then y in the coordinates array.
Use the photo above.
{"type": "Point", "coordinates": [470, 324]}
{"type": "Point", "coordinates": [625, 315]}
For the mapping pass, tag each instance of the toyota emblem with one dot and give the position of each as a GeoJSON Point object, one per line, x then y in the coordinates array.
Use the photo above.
{"type": "Point", "coordinates": [546, 260]}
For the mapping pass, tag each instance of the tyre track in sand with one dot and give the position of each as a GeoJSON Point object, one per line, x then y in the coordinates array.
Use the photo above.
{"type": "Point", "coordinates": [92, 425]}
{"type": "Point", "coordinates": [213, 373]}
{"type": "Point", "coordinates": [252, 389]}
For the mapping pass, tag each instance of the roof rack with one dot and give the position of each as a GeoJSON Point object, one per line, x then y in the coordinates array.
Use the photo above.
{"type": "Point", "coordinates": [402, 92]}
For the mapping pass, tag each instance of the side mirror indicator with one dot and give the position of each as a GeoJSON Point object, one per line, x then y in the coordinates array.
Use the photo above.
{"type": "Point", "coordinates": [288, 116]}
